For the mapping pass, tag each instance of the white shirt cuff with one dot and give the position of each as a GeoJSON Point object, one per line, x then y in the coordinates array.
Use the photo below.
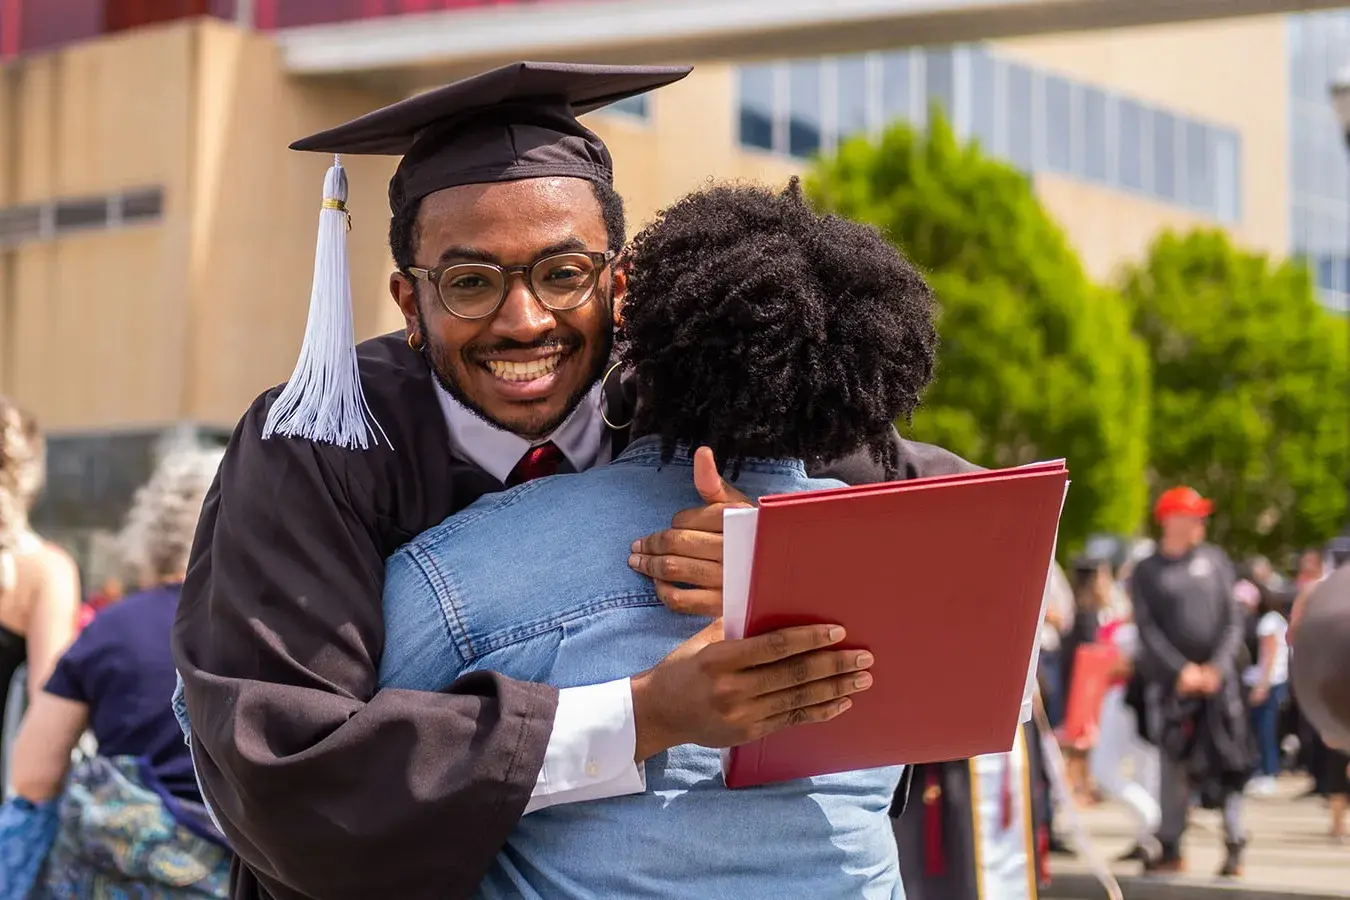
{"type": "Point", "coordinates": [590, 753]}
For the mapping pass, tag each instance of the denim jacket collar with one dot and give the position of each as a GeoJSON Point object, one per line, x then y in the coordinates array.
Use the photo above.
{"type": "Point", "coordinates": [646, 451]}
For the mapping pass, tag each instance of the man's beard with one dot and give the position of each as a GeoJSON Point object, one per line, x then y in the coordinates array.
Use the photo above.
{"type": "Point", "coordinates": [439, 363]}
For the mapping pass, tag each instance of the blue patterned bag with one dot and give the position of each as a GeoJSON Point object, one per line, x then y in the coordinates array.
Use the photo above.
{"type": "Point", "coordinates": [27, 831]}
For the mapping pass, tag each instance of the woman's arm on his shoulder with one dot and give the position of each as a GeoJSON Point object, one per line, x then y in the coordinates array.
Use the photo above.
{"type": "Point", "coordinates": [51, 621]}
{"type": "Point", "coordinates": [312, 772]}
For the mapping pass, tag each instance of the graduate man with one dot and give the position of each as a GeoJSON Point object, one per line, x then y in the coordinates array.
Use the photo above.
{"type": "Point", "coordinates": [504, 231]}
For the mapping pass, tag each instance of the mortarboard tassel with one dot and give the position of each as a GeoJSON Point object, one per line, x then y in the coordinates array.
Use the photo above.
{"type": "Point", "coordinates": [323, 400]}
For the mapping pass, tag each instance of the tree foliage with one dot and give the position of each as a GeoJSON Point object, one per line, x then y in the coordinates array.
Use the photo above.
{"type": "Point", "coordinates": [1037, 362]}
{"type": "Point", "coordinates": [1250, 401]}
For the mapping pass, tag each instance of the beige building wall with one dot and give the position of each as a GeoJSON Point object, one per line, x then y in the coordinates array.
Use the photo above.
{"type": "Point", "coordinates": [1232, 72]}
{"type": "Point", "coordinates": [190, 317]}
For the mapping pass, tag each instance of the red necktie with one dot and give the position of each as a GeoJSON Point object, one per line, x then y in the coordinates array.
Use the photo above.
{"type": "Point", "coordinates": [539, 462]}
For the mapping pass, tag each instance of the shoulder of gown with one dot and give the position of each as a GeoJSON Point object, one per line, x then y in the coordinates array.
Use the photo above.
{"type": "Point", "coordinates": [311, 770]}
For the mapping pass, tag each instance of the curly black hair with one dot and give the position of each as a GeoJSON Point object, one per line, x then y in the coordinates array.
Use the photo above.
{"type": "Point", "coordinates": [761, 328]}
{"type": "Point", "coordinates": [403, 224]}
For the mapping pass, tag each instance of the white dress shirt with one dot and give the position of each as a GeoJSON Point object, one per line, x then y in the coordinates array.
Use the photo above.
{"type": "Point", "coordinates": [590, 752]}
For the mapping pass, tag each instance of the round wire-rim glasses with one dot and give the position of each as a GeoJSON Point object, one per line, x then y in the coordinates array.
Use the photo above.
{"type": "Point", "coordinates": [559, 282]}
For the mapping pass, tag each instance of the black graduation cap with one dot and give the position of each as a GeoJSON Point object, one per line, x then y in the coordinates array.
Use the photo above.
{"type": "Point", "coordinates": [515, 122]}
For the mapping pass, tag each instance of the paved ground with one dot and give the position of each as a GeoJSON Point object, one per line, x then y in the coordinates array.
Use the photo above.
{"type": "Point", "coordinates": [1288, 853]}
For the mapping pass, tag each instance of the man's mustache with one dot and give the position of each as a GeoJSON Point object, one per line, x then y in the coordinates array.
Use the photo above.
{"type": "Point", "coordinates": [551, 343]}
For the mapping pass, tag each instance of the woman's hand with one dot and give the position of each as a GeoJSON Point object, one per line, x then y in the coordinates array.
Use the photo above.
{"type": "Point", "coordinates": [685, 560]}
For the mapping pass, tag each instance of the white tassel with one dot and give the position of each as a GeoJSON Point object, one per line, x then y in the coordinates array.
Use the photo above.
{"type": "Point", "coordinates": [323, 401]}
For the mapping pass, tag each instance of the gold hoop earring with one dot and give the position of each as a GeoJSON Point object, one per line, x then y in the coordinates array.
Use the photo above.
{"type": "Point", "coordinates": [415, 342]}
{"type": "Point", "coordinates": [604, 401]}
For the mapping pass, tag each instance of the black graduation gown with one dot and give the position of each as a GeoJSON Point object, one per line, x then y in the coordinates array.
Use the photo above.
{"type": "Point", "coordinates": [326, 787]}
{"type": "Point", "coordinates": [938, 835]}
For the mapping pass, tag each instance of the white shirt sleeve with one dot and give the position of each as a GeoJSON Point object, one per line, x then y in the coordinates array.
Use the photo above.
{"type": "Point", "coordinates": [590, 753]}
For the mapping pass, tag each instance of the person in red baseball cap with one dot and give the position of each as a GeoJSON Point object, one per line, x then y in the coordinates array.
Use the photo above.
{"type": "Point", "coordinates": [1190, 634]}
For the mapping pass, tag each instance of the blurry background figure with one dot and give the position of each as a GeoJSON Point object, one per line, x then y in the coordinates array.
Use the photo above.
{"type": "Point", "coordinates": [1059, 613]}
{"type": "Point", "coordinates": [1266, 677]}
{"type": "Point", "coordinates": [1311, 569]}
{"type": "Point", "coordinates": [1189, 640]}
{"type": "Point", "coordinates": [1121, 746]}
{"type": "Point", "coordinates": [39, 584]}
{"type": "Point", "coordinates": [1093, 589]}
{"type": "Point", "coordinates": [1319, 634]}
{"type": "Point", "coordinates": [117, 679]}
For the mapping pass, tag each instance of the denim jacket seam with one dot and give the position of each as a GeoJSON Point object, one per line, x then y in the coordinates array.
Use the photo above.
{"type": "Point", "coordinates": [445, 599]}
{"type": "Point", "coordinates": [539, 627]}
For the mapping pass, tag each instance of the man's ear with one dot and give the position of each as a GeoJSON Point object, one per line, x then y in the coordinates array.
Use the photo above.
{"type": "Point", "coordinates": [404, 291]}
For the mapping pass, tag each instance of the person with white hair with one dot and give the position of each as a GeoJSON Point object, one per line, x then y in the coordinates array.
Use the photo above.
{"type": "Point", "coordinates": [117, 680]}
{"type": "Point", "coordinates": [39, 583]}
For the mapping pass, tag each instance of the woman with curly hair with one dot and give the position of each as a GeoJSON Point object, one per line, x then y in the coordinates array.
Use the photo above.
{"type": "Point", "coordinates": [131, 818]}
{"type": "Point", "coordinates": [39, 584]}
{"type": "Point", "coordinates": [780, 339]}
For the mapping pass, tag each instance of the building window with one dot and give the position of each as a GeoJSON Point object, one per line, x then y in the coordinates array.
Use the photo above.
{"type": "Point", "coordinates": [984, 99]}
{"type": "Point", "coordinates": [1227, 175]}
{"type": "Point", "coordinates": [851, 88]}
{"type": "Point", "coordinates": [1034, 120]}
{"type": "Point", "coordinates": [46, 221]}
{"type": "Point", "coordinates": [1165, 156]}
{"type": "Point", "coordinates": [1095, 161]}
{"type": "Point", "coordinates": [804, 109]}
{"type": "Point", "coordinates": [940, 81]}
{"type": "Point", "coordinates": [1021, 117]}
{"type": "Point", "coordinates": [756, 101]}
{"type": "Point", "coordinates": [1199, 167]}
{"type": "Point", "coordinates": [897, 86]}
{"type": "Point", "coordinates": [1130, 153]}
{"type": "Point", "coordinates": [1058, 125]}
{"type": "Point", "coordinates": [632, 106]}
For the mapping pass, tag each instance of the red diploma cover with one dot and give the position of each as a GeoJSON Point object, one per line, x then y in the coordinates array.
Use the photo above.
{"type": "Point", "coordinates": [943, 579]}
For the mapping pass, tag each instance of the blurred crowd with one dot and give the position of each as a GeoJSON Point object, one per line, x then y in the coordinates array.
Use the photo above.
{"type": "Point", "coordinates": [101, 799]}
{"type": "Point", "coordinates": [1123, 627]}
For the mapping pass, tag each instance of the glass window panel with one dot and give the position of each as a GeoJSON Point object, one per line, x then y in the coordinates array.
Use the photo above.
{"type": "Point", "coordinates": [984, 99]}
{"type": "Point", "coordinates": [851, 80]}
{"type": "Point", "coordinates": [633, 106]}
{"type": "Point", "coordinates": [1130, 153]}
{"type": "Point", "coordinates": [1095, 159]}
{"type": "Point", "coordinates": [1199, 167]}
{"type": "Point", "coordinates": [755, 88]}
{"type": "Point", "coordinates": [1058, 124]}
{"type": "Point", "coordinates": [804, 113]}
{"type": "Point", "coordinates": [1165, 155]}
{"type": "Point", "coordinates": [940, 80]}
{"type": "Point", "coordinates": [897, 85]}
{"type": "Point", "coordinates": [1227, 175]}
{"type": "Point", "coordinates": [1021, 144]}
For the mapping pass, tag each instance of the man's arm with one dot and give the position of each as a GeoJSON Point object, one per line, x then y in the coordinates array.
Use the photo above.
{"type": "Point", "coordinates": [311, 772]}
{"type": "Point", "coordinates": [1160, 659]}
{"type": "Point", "coordinates": [1225, 654]}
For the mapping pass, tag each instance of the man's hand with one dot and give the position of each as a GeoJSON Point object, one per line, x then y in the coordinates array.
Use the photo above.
{"type": "Point", "coordinates": [1192, 680]}
{"type": "Point", "coordinates": [685, 560]}
{"type": "Point", "coordinates": [718, 693]}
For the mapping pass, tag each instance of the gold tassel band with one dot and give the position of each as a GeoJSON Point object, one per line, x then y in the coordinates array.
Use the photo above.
{"type": "Point", "coordinates": [330, 203]}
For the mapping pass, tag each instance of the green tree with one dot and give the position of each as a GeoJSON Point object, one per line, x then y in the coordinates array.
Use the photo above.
{"type": "Point", "coordinates": [1037, 362]}
{"type": "Point", "coordinates": [1250, 399]}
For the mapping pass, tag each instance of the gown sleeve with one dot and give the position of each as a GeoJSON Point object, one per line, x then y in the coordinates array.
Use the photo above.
{"type": "Point", "coordinates": [325, 786]}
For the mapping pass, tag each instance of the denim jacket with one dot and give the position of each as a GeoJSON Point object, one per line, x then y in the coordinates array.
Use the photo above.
{"type": "Point", "coordinates": [533, 583]}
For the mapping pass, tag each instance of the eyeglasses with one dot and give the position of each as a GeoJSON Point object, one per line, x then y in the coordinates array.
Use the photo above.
{"type": "Point", "coordinates": [559, 282]}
